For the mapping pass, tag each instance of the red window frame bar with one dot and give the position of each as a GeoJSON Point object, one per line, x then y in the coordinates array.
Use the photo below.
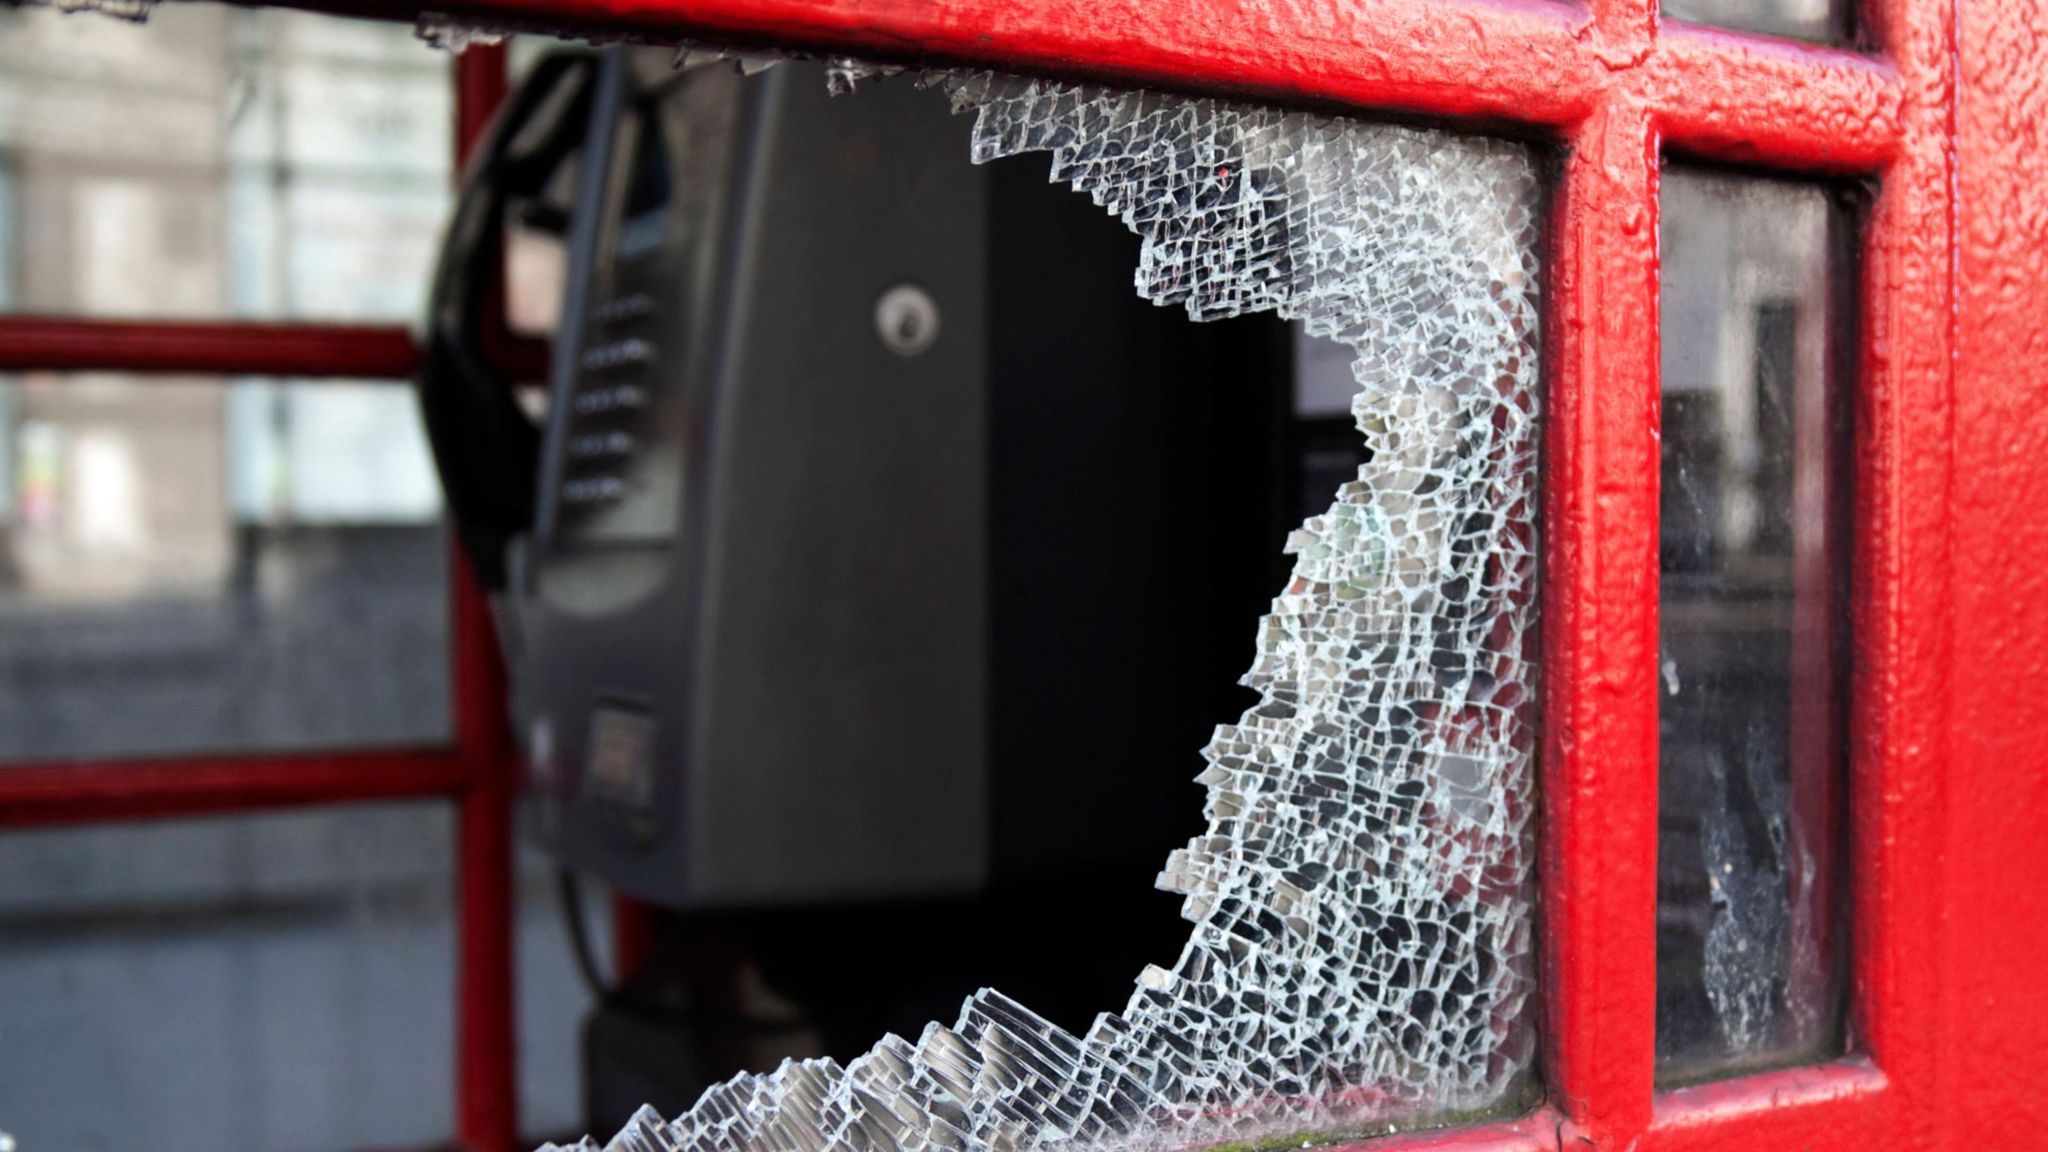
{"type": "Point", "coordinates": [1619, 89]}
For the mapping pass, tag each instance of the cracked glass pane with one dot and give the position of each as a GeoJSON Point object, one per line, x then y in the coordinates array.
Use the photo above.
{"type": "Point", "coordinates": [1752, 618]}
{"type": "Point", "coordinates": [1362, 950]}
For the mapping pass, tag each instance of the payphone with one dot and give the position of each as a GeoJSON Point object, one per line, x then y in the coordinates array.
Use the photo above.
{"type": "Point", "coordinates": [882, 561]}
{"type": "Point", "coordinates": [750, 654]}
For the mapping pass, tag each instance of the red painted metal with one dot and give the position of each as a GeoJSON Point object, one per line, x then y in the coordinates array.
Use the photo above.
{"type": "Point", "coordinates": [486, 1072]}
{"type": "Point", "coordinates": [1987, 928]}
{"type": "Point", "coordinates": [1749, 99]}
{"type": "Point", "coordinates": [1831, 1106]}
{"type": "Point", "coordinates": [1530, 63]}
{"type": "Point", "coordinates": [1600, 630]}
{"type": "Point", "coordinates": [89, 792]}
{"type": "Point", "coordinates": [1950, 567]}
{"type": "Point", "coordinates": [70, 343]}
{"type": "Point", "coordinates": [1901, 598]}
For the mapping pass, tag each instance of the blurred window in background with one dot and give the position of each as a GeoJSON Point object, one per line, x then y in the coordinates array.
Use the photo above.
{"type": "Point", "coordinates": [281, 982]}
{"type": "Point", "coordinates": [203, 564]}
{"type": "Point", "coordinates": [198, 565]}
{"type": "Point", "coordinates": [217, 162]}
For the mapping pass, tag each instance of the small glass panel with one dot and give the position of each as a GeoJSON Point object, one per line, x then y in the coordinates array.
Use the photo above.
{"type": "Point", "coordinates": [1820, 20]}
{"type": "Point", "coordinates": [219, 162]}
{"type": "Point", "coordinates": [1752, 615]}
{"type": "Point", "coordinates": [275, 983]}
{"type": "Point", "coordinates": [189, 565]}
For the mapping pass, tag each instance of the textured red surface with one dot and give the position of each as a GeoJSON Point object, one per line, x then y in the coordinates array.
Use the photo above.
{"type": "Point", "coordinates": [1988, 928]}
{"type": "Point", "coordinates": [1949, 803]}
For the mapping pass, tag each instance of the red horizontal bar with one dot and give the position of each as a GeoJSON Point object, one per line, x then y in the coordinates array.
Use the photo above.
{"type": "Point", "coordinates": [1508, 60]}
{"type": "Point", "coordinates": [379, 352]}
{"type": "Point", "coordinates": [90, 792]}
{"type": "Point", "coordinates": [1489, 62]}
{"type": "Point", "coordinates": [1756, 99]}
{"type": "Point", "coordinates": [1840, 1105]}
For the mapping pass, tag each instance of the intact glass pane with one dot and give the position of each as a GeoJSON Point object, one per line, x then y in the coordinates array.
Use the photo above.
{"type": "Point", "coordinates": [219, 162]}
{"type": "Point", "coordinates": [274, 983]}
{"type": "Point", "coordinates": [192, 565]}
{"type": "Point", "coordinates": [1802, 19]}
{"type": "Point", "coordinates": [1752, 618]}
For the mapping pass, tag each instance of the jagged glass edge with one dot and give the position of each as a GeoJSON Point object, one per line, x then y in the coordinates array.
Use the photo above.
{"type": "Point", "coordinates": [1362, 948]}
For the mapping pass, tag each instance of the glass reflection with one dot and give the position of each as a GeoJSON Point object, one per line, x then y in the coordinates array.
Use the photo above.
{"type": "Point", "coordinates": [1820, 20]}
{"type": "Point", "coordinates": [1752, 606]}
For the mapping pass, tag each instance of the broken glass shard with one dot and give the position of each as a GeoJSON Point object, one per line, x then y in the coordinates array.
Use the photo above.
{"type": "Point", "coordinates": [1362, 947]}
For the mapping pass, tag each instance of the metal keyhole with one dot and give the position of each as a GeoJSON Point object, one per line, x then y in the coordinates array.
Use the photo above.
{"type": "Point", "coordinates": [907, 320]}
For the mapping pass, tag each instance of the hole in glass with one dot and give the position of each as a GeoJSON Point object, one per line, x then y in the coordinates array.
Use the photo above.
{"type": "Point", "coordinates": [1362, 950]}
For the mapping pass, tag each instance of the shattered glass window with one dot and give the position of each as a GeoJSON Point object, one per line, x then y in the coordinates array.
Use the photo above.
{"type": "Point", "coordinates": [1752, 615]}
{"type": "Point", "coordinates": [1361, 955]}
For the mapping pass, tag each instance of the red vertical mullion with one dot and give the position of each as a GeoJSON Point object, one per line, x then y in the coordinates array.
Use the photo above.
{"type": "Point", "coordinates": [1906, 973]}
{"type": "Point", "coordinates": [487, 1101]}
{"type": "Point", "coordinates": [1600, 720]}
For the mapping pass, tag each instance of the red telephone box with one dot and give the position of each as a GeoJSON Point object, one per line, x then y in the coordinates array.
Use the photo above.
{"type": "Point", "coordinates": [1931, 105]}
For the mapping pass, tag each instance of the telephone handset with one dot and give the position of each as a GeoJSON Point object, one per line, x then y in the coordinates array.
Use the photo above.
{"type": "Point", "coordinates": [591, 501]}
{"type": "Point", "coordinates": [486, 448]}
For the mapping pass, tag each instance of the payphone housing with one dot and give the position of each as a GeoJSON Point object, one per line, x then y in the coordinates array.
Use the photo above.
{"type": "Point", "coordinates": [752, 650]}
{"type": "Point", "coordinates": [879, 543]}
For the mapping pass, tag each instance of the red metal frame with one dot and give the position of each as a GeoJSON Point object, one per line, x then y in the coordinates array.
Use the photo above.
{"type": "Point", "coordinates": [91, 792]}
{"type": "Point", "coordinates": [58, 343]}
{"type": "Point", "coordinates": [486, 1060]}
{"type": "Point", "coordinates": [1951, 456]}
{"type": "Point", "coordinates": [161, 347]}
